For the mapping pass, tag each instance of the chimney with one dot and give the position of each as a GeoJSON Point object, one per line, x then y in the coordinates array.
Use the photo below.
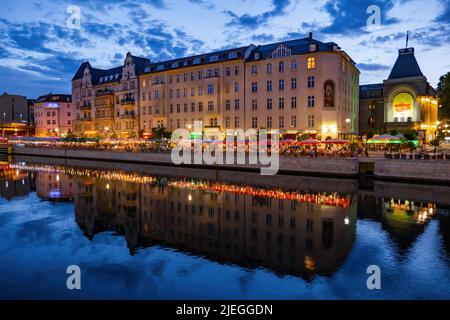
{"type": "Point", "coordinates": [310, 35]}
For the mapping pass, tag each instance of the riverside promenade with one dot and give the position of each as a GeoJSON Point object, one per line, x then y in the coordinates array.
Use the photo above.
{"type": "Point", "coordinates": [421, 171]}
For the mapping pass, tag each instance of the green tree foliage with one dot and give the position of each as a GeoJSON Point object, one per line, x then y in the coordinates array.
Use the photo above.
{"type": "Point", "coordinates": [443, 89]}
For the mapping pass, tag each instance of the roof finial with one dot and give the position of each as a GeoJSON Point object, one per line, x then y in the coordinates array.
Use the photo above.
{"type": "Point", "coordinates": [407, 38]}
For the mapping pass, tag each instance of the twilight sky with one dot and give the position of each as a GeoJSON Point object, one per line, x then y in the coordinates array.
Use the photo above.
{"type": "Point", "coordinates": [39, 53]}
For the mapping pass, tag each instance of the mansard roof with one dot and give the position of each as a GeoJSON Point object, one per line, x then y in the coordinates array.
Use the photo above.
{"type": "Point", "coordinates": [406, 65]}
{"type": "Point", "coordinates": [51, 97]}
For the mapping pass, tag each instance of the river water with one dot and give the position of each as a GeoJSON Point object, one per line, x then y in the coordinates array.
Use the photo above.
{"type": "Point", "coordinates": [144, 235]}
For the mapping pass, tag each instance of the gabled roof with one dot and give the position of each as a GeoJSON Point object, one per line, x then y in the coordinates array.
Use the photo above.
{"type": "Point", "coordinates": [79, 74]}
{"type": "Point", "coordinates": [298, 46]}
{"type": "Point", "coordinates": [406, 65]}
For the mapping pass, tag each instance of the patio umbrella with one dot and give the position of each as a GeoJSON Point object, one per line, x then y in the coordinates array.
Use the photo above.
{"type": "Point", "coordinates": [384, 138]}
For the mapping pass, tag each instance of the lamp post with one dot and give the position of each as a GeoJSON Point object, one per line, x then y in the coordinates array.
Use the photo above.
{"type": "Point", "coordinates": [347, 121]}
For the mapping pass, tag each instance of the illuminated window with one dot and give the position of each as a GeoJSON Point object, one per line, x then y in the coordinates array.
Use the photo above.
{"type": "Point", "coordinates": [311, 63]}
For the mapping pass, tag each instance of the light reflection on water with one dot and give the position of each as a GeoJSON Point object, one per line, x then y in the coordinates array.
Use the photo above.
{"type": "Point", "coordinates": [148, 237]}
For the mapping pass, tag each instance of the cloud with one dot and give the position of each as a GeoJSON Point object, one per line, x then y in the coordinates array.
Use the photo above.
{"type": "Point", "coordinates": [372, 67]}
{"type": "Point", "coordinates": [254, 21]}
{"type": "Point", "coordinates": [351, 16]}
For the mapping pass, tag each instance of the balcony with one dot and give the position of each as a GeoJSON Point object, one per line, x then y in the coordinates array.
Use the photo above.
{"type": "Point", "coordinates": [159, 82]}
{"type": "Point", "coordinates": [86, 118]}
{"type": "Point", "coordinates": [86, 107]}
{"type": "Point", "coordinates": [127, 102]}
{"type": "Point", "coordinates": [105, 92]}
{"type": "Point", "coordinates": [128, 116]}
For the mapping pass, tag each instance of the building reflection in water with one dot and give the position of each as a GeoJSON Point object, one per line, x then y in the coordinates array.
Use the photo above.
{"type": "Point", "coordinates": [14, 182]}
{"type": "Point", "coordinates": [403, 220]}
{"type": "Point", "coordinates": [290, 232]}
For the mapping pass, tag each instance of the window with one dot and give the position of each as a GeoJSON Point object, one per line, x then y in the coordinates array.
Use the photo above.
{"type": "Point", "coordinates": [281, 85]}
{"type": "Point", "coordinates": [185, 77]}
{"type": "Point", "coordinates": [236, 104]}
{"type": "Point", "coordinates": [372, 107]}
{"type": "Point", "coordinates": [254, 104]}
{"type": "Point", "coordinates": [294, 83]}
{"type": "Point", "coordinates": [192, 92]}
{"type": "Point", "coordinates": [236, 122]}
{"type": "Point", "coordinates": [171, 108]}
{"type": "Point", "coordinates": [178, 108]}
{"type": "Point", "coordinates": [192, 107]}
{"type": "Point", "coordinates": [257, 55]}
{"type": "Point", "coordinates": [214, 58]}
{"type": "Point", "coordinates": [269, 68]}
{"type": "Point", "coordinates": [293, 102]}
{"type": "Point", "coordinates": [269, 104]}
{"type": "Point", "coordinates": [178, 78]}
{"type": "Point", "coordinates": [269, 122]}
{"type": "Point", "coordinates": [227, 105]}
{"type": "Point", "coordinates": [281, 122]}
{"type": "Point", "coordinates": [254, 69]}
{"type": "Point", "coordinates": [200, 91]}
{"type": "Point", "coordinates": [254, 87]}
{"type": "Point", "coordinates": [281, 66]}
{"type": "Point", "coordinates": [311, 121]}
{"type": "Point", "coordinates": [236, 87]}
{"type": "Point", "coordinates": [281, 103]}
{"type": "Point", "coordinates": [311, 82]}
{"type": "Point", "coordinates": [227, 122]}
{"type": "Point", "coordinates": [227, 71]}
{"type": "Point", "coordinates": [185, 92]}
{"type": "Point", "coordinates": [192, 76]}
{"type": "Point", "coordinates": [269, 86]}
{"type": "Point", "coordinates": [293, 121]}
{"type": "Point", "coordinates": [210, 105]}
{"type": "Point", "coordinates": [185, 108]}
{"type": "Point", "coordinates": [210, 89]}
{"type": "Point", "coordinates": [236, 71]}
{"type": "Point", "coordinates": [294, 65]}
{"type": "Point", "coordinates": [200, 107]}
{"type": "Point", "coordinates": [200, 75]}
{"type": "Point", "coordinates": [197, 61]}
{"type": "Point", "coordinates": [156, 94]}
{"type": "Point", "coordinates": [311, 101]}
{"type": "Point", "coordinates": [254, 122]}
{"type": "Point", "coordinates": [232, 55]}
{"type": "Point", "coordinates": [143, 96]}
{"type": "Point", "coordinates": [311, 63]}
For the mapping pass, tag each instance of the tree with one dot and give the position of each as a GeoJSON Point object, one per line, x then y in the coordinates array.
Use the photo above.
{"type": "Point", "coordinates": [443, 90]}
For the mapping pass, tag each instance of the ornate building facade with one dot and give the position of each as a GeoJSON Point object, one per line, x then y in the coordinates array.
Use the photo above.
{"type": "Point", "coordinates": [106, 101]}
{"type": "Point", "coordinates": [299, 86]}
{"type": "Point", "coordinates": [404, 102]}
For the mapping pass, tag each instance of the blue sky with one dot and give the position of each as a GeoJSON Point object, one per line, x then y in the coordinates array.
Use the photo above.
{"type": "Point", "coordinates": [39, 53]}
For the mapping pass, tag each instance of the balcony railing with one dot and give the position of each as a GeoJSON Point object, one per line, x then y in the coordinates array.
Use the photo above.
{"type": "Point", "coordinates": [104, 92]}
{"type": "Point", "coordinates": [86, 107]}
{"type": "Point", "coordinates": [155, 83]}
{"type": "Point", "coordinates": [128, 116]}
{"type": "Point", "coordinates": [127, 101]}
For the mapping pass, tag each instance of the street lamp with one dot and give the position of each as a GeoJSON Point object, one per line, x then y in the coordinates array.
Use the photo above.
{"type": "Point", "coordinates": [347, 121]}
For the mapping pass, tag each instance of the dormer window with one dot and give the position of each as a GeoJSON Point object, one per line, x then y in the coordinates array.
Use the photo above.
{"type": "Point", "coordinates": [175, 65]}
{"type": "Point", "coordinates": [232, 55]}
{"type": "Point", "coordinates": [214, 58]}
{"type": "Point", "coordinates": [197, 61]}
{"type": "Point", "coordinates": [185, 63]}
{"type": "Point", "coordinates": [160, 67]}
{"type": "Point", "coordinates": [312, 47]}
{"type": "Point", "coordinates": [257, 56]}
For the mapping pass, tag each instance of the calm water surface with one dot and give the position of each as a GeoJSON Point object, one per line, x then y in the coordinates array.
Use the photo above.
{"type": "Point", "coordinates": [138, 236]}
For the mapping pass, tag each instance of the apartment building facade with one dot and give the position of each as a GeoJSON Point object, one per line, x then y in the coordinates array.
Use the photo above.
{"type": "Point", "coordinates": [106, 100]}
{"type": "Point", "coordinates": [53, 115]}
{"type": "Point", "coordinates": [298, 86]}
